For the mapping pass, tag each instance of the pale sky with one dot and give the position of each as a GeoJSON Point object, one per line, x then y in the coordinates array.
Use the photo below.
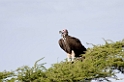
{"type": "Point", "coordinates": [29, 28]}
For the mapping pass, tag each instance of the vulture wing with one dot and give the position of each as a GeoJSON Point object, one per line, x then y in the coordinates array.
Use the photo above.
{"type": "Point", "coordinates": [64, 46]}
{"type": "Point", "coordinates": [76, 45]}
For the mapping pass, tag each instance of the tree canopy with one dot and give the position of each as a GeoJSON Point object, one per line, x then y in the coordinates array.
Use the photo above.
{"type": "Point", "coordinates": [101, 63]}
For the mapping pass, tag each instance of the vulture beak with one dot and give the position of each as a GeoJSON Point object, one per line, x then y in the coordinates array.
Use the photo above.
{"type": "Point", "coordinates": [60, 32]}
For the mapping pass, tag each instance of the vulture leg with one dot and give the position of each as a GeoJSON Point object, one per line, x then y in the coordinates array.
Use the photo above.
{"type": "Point", "coordinates": [68, 57]}
{"type": "Point", "coordinates": [72, 55]}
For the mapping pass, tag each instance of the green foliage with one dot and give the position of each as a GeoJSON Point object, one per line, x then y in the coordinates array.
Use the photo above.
{"type": "Point", "coordinates": [101, 62]}
{"type": "Point", "coordinates": [27, 74]}
{"type": "Point", "coordinates": [4, 75]}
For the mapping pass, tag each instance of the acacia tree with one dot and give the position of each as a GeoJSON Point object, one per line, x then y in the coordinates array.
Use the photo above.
{"type": "Point", "coordinates": [100, 64]}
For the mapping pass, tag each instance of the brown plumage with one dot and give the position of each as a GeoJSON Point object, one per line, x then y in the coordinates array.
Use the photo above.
{"type": "Point", "coordinates": [69, 44]}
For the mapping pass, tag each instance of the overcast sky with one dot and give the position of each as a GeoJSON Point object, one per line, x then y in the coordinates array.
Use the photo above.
{"type": "Point", "coordinates": [29, 28]}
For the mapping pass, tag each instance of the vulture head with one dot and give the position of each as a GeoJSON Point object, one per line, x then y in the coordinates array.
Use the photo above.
{"type": "Point", "coordinates": [64, 32]}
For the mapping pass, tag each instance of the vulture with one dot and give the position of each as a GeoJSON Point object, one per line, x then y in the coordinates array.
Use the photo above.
{"type": "Point", "coordinates": [71, 45]}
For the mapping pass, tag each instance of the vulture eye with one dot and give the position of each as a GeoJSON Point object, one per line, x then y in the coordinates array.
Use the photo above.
{"type": "Point", "coordinates": [64, 30]}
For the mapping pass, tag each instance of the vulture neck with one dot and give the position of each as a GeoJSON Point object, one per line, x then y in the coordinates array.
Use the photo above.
{"type": "Point", "coordinates": [64, 36]}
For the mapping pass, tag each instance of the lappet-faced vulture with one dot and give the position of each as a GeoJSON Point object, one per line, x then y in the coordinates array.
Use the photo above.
{"type": "Point", "coordinates": [71, 45]}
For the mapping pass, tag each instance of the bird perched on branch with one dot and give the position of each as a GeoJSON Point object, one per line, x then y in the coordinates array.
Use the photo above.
{"type": "Point", "coordinates": [71, 45]}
